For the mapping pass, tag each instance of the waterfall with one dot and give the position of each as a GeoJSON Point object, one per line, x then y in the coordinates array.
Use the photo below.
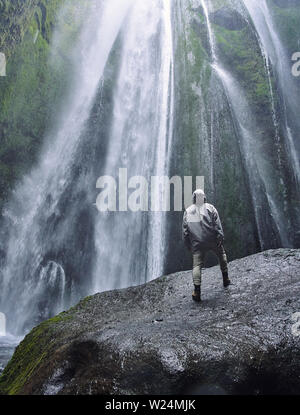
{"type": "Point", "coordinates": [275, 51]}
{"type": "Point", "coordinates": [210, 31]}
{"type": "Point", "coordinates": [258, 171]}
{"type": "Point", "coordinates": [261, 189]}
{"type": "Point", "coordinates": [275, 118]}
{"type": "Point", "coordinates": [151, 92]}
{"type": "Point", "coordinates": [213, 62]}
{"type": "Point", "coordinates": [157, 236]}
{"type": "Point", "coordinates": [57, 247]}
{"type": "Point", "coordinates": [130, 245]}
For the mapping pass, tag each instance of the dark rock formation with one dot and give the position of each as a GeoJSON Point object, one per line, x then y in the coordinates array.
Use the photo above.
{"type": "Point", "coordinates": [228, 18]}
{"type": "Point", "coordinates": [154, 339]}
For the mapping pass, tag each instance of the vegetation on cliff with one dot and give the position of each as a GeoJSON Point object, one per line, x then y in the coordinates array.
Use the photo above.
{"type": "Point", "coordinates": [37, 78]}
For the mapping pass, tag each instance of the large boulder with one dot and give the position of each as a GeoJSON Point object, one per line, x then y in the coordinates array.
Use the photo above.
{"type": "Point", "coordinates": [154, 339]}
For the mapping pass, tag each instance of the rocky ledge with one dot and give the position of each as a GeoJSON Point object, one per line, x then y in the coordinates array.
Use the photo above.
{"type": "Point", "coordinates": [153, 339]}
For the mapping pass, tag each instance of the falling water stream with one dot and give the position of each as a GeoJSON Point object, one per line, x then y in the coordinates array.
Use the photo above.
{"type": "Point", "coordinates": [140, 142]}
{"type": "Point", "coordinates": [48, 230]}
{"type": "Point", "coordinates": [57, 246]}
{"type": "Point", "coordinates": [258, 171]}
{"type": "Point", "coordinates": [272, 45]}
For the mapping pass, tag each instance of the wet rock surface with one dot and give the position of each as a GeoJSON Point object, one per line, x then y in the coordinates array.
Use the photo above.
{"type": "Point", "coordinates": [154, 339]}
{"type": "Point", "coordinates": [228, 18]}
{"type": "Point", "coordinates": [287, 3]}
{"type": "Point", "coordinates": [225, 17]}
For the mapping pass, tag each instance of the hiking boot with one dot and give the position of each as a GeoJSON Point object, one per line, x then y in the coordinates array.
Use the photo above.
{"type": "Point", "coordinates": [226, 280]}
{"type": "Point", "coordinates": [196, 294]}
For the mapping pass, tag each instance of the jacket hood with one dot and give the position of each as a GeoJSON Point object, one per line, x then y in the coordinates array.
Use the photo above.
{"type": "Point", "coordinates": [199, 197]}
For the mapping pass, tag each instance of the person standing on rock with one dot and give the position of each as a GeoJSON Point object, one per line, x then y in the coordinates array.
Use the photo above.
{"type": "Point", "coordinates": [202, 232]}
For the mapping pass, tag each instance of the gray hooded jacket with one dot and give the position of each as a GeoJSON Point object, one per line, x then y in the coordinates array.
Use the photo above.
{"type": "Point", "coordinates": [201, 226]}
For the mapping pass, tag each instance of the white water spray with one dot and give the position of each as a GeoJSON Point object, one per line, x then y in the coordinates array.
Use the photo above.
{"type": "Point", "coordinates": [273, 47]}
{"type": "Point", "coordinates": [130, 246]}
{"type": "Point", "coordinates": [257, 168]}
{"type": "Point", "coordinates": [35, 203]}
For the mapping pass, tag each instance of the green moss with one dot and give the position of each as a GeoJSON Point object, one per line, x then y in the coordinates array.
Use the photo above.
{"type": "Point", "coordinates": [29, 355]}
{"type": "Point", "coordinates": [84, 302]}
{"type": "Point", "coordinates": [31, 93]}
{"type": "Point", "coordinates": [36, 347]}
{"type": "Point", "coordinates": [193, 60]}
{"type": "Point", "coordinates": [14, 17]}
{"type": "Point", "coordinates": [234, 210]}
{"type": "Point", "coordinates": [287, 24]}
{"type": "Point", "coordinates": [240, 51]}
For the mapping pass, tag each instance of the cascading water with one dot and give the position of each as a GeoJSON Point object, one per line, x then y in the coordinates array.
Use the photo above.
{"type": "Point", "coordinates": [139, 92]}
{"type": "Point", "coordinates": [56, 241]}
{"type": "Point", "coordinates": [287, 130]}
{"type": "Point", "coordinates": [129, 244]}
{"type": "Point", "coordinates": [210, 32]}
{"type": "Point", "coordinates": [213, 62]}
{"type": "Point", "coordinates": [275, 51]}
{"type": "Point", "coordinates": [258, 169]}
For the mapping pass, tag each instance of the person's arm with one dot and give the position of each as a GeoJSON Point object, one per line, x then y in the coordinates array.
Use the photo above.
{"type": "Point", "coordinates": [218, 227]}
{"type": "Point", "coordinates": [185, 232]}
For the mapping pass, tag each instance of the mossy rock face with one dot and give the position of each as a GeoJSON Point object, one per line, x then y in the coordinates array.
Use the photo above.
{"type": "Point", "coordinates": [286, 18]}
{"type": "Point", "coordinates": [285, 4]}
{"type": "Point", "coordinates": [205, 141]}
{"type": "Point", "coordinates": [228, 18]}
{"type": "Point", "coordinates": [37, 347]}
{"type": "Point", "coordinates": [223, 15]}
{"type": "Point", "coordinates": [32, 91]}
{"type": "Point", "coordinates": [14, 18]}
